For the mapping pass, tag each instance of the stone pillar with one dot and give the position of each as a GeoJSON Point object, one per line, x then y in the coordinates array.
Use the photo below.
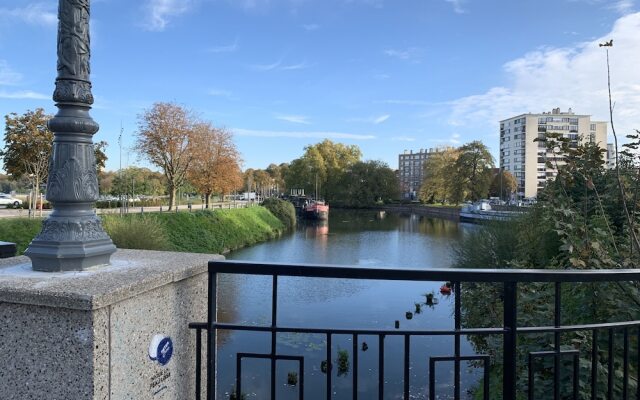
{"type": "Point", "coordinates": [93, 335]}
{"type": "Point", "coordinates": [72, 237]}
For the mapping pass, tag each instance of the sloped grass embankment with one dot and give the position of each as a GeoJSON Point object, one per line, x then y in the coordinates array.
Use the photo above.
{"type": "Point", "coordinates": [198, 232]}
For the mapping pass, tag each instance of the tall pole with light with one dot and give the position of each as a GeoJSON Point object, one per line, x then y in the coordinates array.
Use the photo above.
{"type": "Point", "coordinates": [72, 237]}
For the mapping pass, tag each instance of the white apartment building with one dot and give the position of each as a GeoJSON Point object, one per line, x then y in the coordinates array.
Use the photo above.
{"type": "Point", "coordinates": [526, 159]}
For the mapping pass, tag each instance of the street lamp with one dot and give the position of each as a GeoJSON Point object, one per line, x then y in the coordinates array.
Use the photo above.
{"type": "Point", "coordinates": [72, 237]}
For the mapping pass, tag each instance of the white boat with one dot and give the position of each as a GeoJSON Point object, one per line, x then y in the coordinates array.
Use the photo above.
{"type": "Point", "coordinates": [482, 211]}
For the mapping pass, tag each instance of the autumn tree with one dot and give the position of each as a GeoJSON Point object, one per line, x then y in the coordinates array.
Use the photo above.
{"type": "Point", "coordinates": [27, 148]}
{"type": "Point", "coordinates": [503, 185]}
{"type": "Point", "coordinates": [164, 138]}
{"type": "Point", "coordinates": [215, 166]}
{"type": "Point", "coordinates": [437, 185]}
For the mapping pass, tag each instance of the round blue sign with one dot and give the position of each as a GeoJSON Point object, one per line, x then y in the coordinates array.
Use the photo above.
{"type": "Point", "coordinates": [165, 350]}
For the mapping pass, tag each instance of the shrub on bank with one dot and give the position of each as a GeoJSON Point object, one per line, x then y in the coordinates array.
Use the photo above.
{"type": "Point", "coordinates": [136, 232]}
{"type": "Point", "coordinates": [283, 210]}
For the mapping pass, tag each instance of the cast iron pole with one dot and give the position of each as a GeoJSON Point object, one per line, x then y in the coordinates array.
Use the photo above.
{"type": "Point", "coordinates": [72, 237]}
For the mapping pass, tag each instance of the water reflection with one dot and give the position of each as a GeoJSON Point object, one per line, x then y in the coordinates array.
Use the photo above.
{"type": "Point", "coordinates": [364, 238]}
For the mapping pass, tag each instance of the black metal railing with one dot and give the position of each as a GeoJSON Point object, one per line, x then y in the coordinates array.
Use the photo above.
{"type": "Point", "coordinates": [509, 331]}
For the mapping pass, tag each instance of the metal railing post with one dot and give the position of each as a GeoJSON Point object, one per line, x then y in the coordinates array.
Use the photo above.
{"type": "Point", "coordinates": [211, 334]}
{"type": "Point", "coordinates": [509, 341]}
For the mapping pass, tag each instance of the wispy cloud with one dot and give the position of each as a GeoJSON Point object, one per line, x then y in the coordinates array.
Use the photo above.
{"type": "Point", "coordinates": [302, 134]}
{"type": "Point", "coordinates": [266, 67]}
{"type": "Point", "coordinates": [457, 6]}
{"type": "Point", "coordinates": [293, 67]}
{"type": "Point", "coordinates": [280, 66]}
{"type": "Point", "coordinates": [35, 14]}
{"type": "Point", "coordinates": [562, 77]}
{"type": "Point", "coordinates": [623, 6]}
{"type": "Point", "coordinates": [159, 12]}
{"type": "Point", "coordinates": [296, 119]}
{"type": "Point", "coordinates": [371, 120]}
{"type": "Point", "coordinates": [311, 27]}
{"type": "Point", "coordinates": [229, 48]}
{"type": "Point", "coordinates": [7, 75]}
{"type": "Point", "coordinates": [408, 54]}
{"type": "Point", "coordinates": [23, 94]}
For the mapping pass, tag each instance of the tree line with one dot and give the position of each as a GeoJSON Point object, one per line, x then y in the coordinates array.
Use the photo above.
{"type": "Point", "coordinates": [196, 156]}
{"type": "Point", "coordinates": [331, 171]}
{"type": "Point", "coordinates": [187, 150]}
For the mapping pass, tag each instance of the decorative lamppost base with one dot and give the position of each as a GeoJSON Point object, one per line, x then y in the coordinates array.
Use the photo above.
{"type": "Point", "coordinates": [67, 244]}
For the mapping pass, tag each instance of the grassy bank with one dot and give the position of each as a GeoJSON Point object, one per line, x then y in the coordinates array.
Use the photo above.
{"type": "Point", "coordinates": [198, 232]}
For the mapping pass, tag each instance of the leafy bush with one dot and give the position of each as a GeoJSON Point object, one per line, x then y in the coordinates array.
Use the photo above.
{"type": "Point", "coordinates": [283, 210]}
{"type": "Point", "coordinates": [136, 232]}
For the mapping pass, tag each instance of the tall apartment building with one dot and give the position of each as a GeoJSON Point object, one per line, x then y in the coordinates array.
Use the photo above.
{"type": "Point", "coordinates": [526, 159]}
{"type": "Point", "coordinates": [411, 171]}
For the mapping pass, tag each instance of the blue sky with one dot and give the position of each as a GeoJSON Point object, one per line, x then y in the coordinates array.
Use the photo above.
{"type": "Point", "coordinates": [386, 75]}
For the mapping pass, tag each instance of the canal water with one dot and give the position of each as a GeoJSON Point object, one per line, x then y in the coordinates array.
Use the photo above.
{"type": "Point", "coordinates": [353, 238]}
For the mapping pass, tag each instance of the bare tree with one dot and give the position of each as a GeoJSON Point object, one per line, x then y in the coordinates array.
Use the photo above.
{"type": "Point", "coordinates": [164, 137]}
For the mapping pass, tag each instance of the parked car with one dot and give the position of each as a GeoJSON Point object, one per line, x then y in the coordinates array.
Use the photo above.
{"type": "Point", "coordinates": [7, 199]}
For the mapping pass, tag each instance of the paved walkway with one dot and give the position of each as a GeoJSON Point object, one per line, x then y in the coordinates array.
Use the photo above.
{"type": "Point", "coordinates": [12, 213]}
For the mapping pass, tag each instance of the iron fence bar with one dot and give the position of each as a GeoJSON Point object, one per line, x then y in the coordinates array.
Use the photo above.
{"type": "Point", "coordinates": [239, 376]}
{"type": "Point", "coordinates": [509, 341]}
{"type": "Point", "coordinates": [342, 331]}
{"type": "Point", "coordinates": [638, 367]}
{"type": "Point", "coordinates": [625, 366]}
{"type": "Point", "coordinates": [407, 346]}
{"type": "Point", "coordinates": [399, 332]}
{"type": "Point", "coordinates": [329, 366]}
{"type": "Point", "coordinates": [594, 364]}
{"type": "Point", "coordinates": [301, 372]}
{"type": "Point", "coordinates": [582, 327]}
{"type": "Point", "coordinates": [355, 367]}
{"type": "Point", "coordinates": [576, 375]}
{"type": "Point", "coordinates": [556, 355]}
{"type": "Point", "coordinates": [432, 378]}
{"type": "Point", "coordinates": [435, 274]}
{"type": "Point", "coordinates": [531, 377]}
{"type": "Point", "coordinates": [274, 324]}
{"type": "Point", "coordinates": [457, 326]}
{"type": "Point", "coordinates": [381, 367]}
{"type": "Point", "coordinates": [610, 367]}
{"type": "Point", "coordinates": [211, 334]}
{"type": "Point", "coordinates": [556, 339]}
{"type": "Point", "coordinates": [486, 378]}
{"type": "Point", "coordinates": [198, 363]}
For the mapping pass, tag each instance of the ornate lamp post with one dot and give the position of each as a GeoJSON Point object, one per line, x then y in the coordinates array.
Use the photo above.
{"type": "Point", "coordinates": [72, 237]}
